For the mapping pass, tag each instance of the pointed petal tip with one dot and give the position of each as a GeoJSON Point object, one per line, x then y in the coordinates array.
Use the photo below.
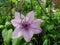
{"type": "Point", "coordinates": [27, 35]}
{"type": "Point", "coordinates": [17, 15]}
{"type": "Point", "coordinates": [40, 20]}
{"type": "Point", "coordinates": [40, 30]}
{"type": "Point", "coordinates": [31, 12]}
{"type": "Point", "coordinates": [15, 22]}
{"type": "Point", "coordinates": [28, 40]}
{"type": "Point", "coordinates": [30, 16]}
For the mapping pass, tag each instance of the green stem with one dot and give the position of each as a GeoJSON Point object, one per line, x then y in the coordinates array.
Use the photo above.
{"type": "Point", "coordinates": [42, 7]}
{"type": "Point", "coordinates": [31, 4]}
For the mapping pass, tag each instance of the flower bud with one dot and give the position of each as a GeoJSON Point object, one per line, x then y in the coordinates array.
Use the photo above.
{"type": "Point", "coordinates": [6, 10]}
{"type": "Point", "coordinates": [19, 8]}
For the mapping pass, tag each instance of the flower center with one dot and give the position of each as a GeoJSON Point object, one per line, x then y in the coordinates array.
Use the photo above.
{"type": "Point", "coordinates": [25, 26]}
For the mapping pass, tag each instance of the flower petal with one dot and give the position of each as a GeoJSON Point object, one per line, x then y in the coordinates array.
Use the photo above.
{"type": "Point", "coordinates": [27, 35]}
{"type": "Point", "coordinates": [18, 15]}
{"type": "Point", "coordinates": [15, 22]}
{"type": "Point", "coordinates": [35, 26]}
{"type": "Point", "coordinates": [30, 16]}
{"type": "Point", "coordinates": [17, 33]}
{"type": "Point", "coordinates": [36, 30]}
{"type": "Point", "coordinates": [36, 22]}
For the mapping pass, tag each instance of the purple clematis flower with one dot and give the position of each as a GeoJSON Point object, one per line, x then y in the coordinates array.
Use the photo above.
{"type": "Point", "coordinates": [26, 26]}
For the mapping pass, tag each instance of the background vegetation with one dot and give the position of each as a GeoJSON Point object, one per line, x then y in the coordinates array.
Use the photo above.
{"type": "Point", "coordinates": [49, 11]}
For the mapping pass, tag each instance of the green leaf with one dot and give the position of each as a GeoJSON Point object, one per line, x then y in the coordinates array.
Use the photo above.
{"type": "Point", "coordinates": [28, 1]}
{"type": "Point", "coordinates": [27, 43]}
{"type": "Point", "coordinates": [8, 25]}
{"type": "Point", "coordinates": [55, 43]}
{"type": "Point", "coordinates": [6, 34]}
{"type": "Point", "coordinates": [20, 41]}
{"type": "Point", "coordinates": [14, 1]}
{"type": "Point", "coordinates": [17, 41]}
{"type": "Point", "coordinates": [46, 42]}
{"type": "Point", "coordinates": [50, 27]}
{"type": "Point", "coordinates": [1, 26]}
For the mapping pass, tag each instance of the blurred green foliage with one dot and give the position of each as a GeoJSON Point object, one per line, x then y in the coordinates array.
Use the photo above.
{"type": "Point", "coordinates": [50, 26]}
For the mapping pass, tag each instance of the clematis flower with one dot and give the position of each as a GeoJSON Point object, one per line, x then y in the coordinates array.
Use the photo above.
{"type": "Point", "coordinates": [26, 26]}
